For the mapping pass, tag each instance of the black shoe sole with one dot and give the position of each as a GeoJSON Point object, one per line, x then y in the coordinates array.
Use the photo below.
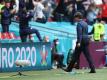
{"type": "Point", "coordinates": [92, 72]}
{"type": "Point", "coordinates": [66, 70]}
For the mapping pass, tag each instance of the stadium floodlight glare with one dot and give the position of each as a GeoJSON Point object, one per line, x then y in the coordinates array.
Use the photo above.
{"type": "Point", "coordinates": [20, 64]}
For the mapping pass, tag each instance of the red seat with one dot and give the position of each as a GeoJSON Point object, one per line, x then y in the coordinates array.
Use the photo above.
{"type": "Point", "coordinates": [4, 36]}
{"type": "Point", "coordinates": [7, 36]}
{"type": "Point", "coordinates": [12, 35]}
{"type": "Point", "coordinates": [1, 36]}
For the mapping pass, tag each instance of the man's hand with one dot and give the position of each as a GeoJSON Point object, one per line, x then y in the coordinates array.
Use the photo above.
{"type": "Point", "coordinates": [1, 11]}
{"type": "Point", "coordinates": [78, 44]}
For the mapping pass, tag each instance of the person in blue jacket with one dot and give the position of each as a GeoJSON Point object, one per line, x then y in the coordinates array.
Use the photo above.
{"type": "Point", "coordinates": [81, 44]}
{"type": "Point", "coordinates": [6, 14]}
{"type": "Point", "coordinates": [24, 29]}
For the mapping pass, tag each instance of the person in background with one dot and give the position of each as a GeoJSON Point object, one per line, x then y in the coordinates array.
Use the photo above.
{"type": "Point", "coordinates": [24, 29]}
{"type": "Point", "coordinates": [16, 5]}
{"type": "Point", "coordinates": [81, 44]}
{"type": "Point", "coordinates": [2, 3]}
{"type": "Point", "coordinates": [29, 5]}
{"type": "Point", "coordinates": [70, 10]}
{"type": "Point", "coordinates": [22, 4]}
{"type": "Point", "coordinates": [59, 11]}
{"type": "Point", "coordinates": [98, 30]}
{"type": "Point", "coordinates": [80, 7]}
{"type": "Point", "coordinates": [55, 55]}
{"type": "Point", "coordinates": [103, 12]}
{"type": "Point", "coordinates": [46, 39]}
{"type": "Point", "coordinates": [47, 9]}
{"type": "Point", "coordinates": [92, 13]}
{"type": "Point", "coordinates": [38, 11]}
{"type": "Point", "coordinates": [6, 15]}
{"type": "Point", "coordinates": [12, 3]}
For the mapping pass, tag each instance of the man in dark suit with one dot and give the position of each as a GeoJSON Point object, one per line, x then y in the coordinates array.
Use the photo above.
{"type": "Point", "coordinates": [81, 44]}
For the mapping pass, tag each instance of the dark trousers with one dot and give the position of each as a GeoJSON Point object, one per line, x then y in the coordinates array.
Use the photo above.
{"type": "Point", "coordinates": [25, 32]}
{"type": "Point", "coordinates": [83, 48]}
{"type": "Point", "coordinates": [59, 58]}
{"type": "Point", "coordinates": [5, 28]}
{"type": "Point", "coordinates": [41, 20]}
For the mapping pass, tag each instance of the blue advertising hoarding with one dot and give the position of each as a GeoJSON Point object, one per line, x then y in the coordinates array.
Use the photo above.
{"type": "Point", "coordinates": [38, 53]}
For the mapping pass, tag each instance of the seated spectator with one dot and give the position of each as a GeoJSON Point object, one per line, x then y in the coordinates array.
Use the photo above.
{"type": "Point", "coordinates": [47, 9]}
{"type": "Point", "coordinates": [56, 56]}
{"type": "Point", "coordinates": [29, 5]}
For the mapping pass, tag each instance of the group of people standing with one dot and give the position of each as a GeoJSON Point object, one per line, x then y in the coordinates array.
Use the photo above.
{"type": "Point", "coordinates": [91, 9]}
{"type": "Point", "coordinates": [23, 16]}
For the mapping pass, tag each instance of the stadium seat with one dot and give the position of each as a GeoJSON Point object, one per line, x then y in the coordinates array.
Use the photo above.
{"type": "Point", "coordinates": [7, 36]}
{"type": "Point", "coordinates": [12, 35]}
{"type": "Point", "coordinates": [1, 36]}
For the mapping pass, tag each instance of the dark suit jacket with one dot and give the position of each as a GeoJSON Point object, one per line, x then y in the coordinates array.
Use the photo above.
{"type": "Point", "coordinates": [6, 16]}
{"type": "Point", "coordinates": [82, 32]}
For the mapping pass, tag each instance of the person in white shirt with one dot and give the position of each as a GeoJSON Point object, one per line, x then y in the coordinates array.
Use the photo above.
{"type": "Point", "coordinates": [38, 11]}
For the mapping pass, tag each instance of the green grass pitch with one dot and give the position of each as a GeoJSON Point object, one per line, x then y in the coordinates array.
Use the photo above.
{"type": "Point", "coordinates": [56, 74]}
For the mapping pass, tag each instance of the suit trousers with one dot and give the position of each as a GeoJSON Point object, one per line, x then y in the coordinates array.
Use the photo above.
{"type": "Point", "coordinates": [83, 48]}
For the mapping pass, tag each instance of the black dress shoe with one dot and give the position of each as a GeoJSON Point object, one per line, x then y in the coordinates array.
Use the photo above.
{"type": "Point", "coordinates": [92, 71]}
{"type": "Point", "coordinates": [63, 65]}
{"type": "Point", "coordinates": [105, 65]}
{"type": "Point", "coordinates": [66, 70]}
